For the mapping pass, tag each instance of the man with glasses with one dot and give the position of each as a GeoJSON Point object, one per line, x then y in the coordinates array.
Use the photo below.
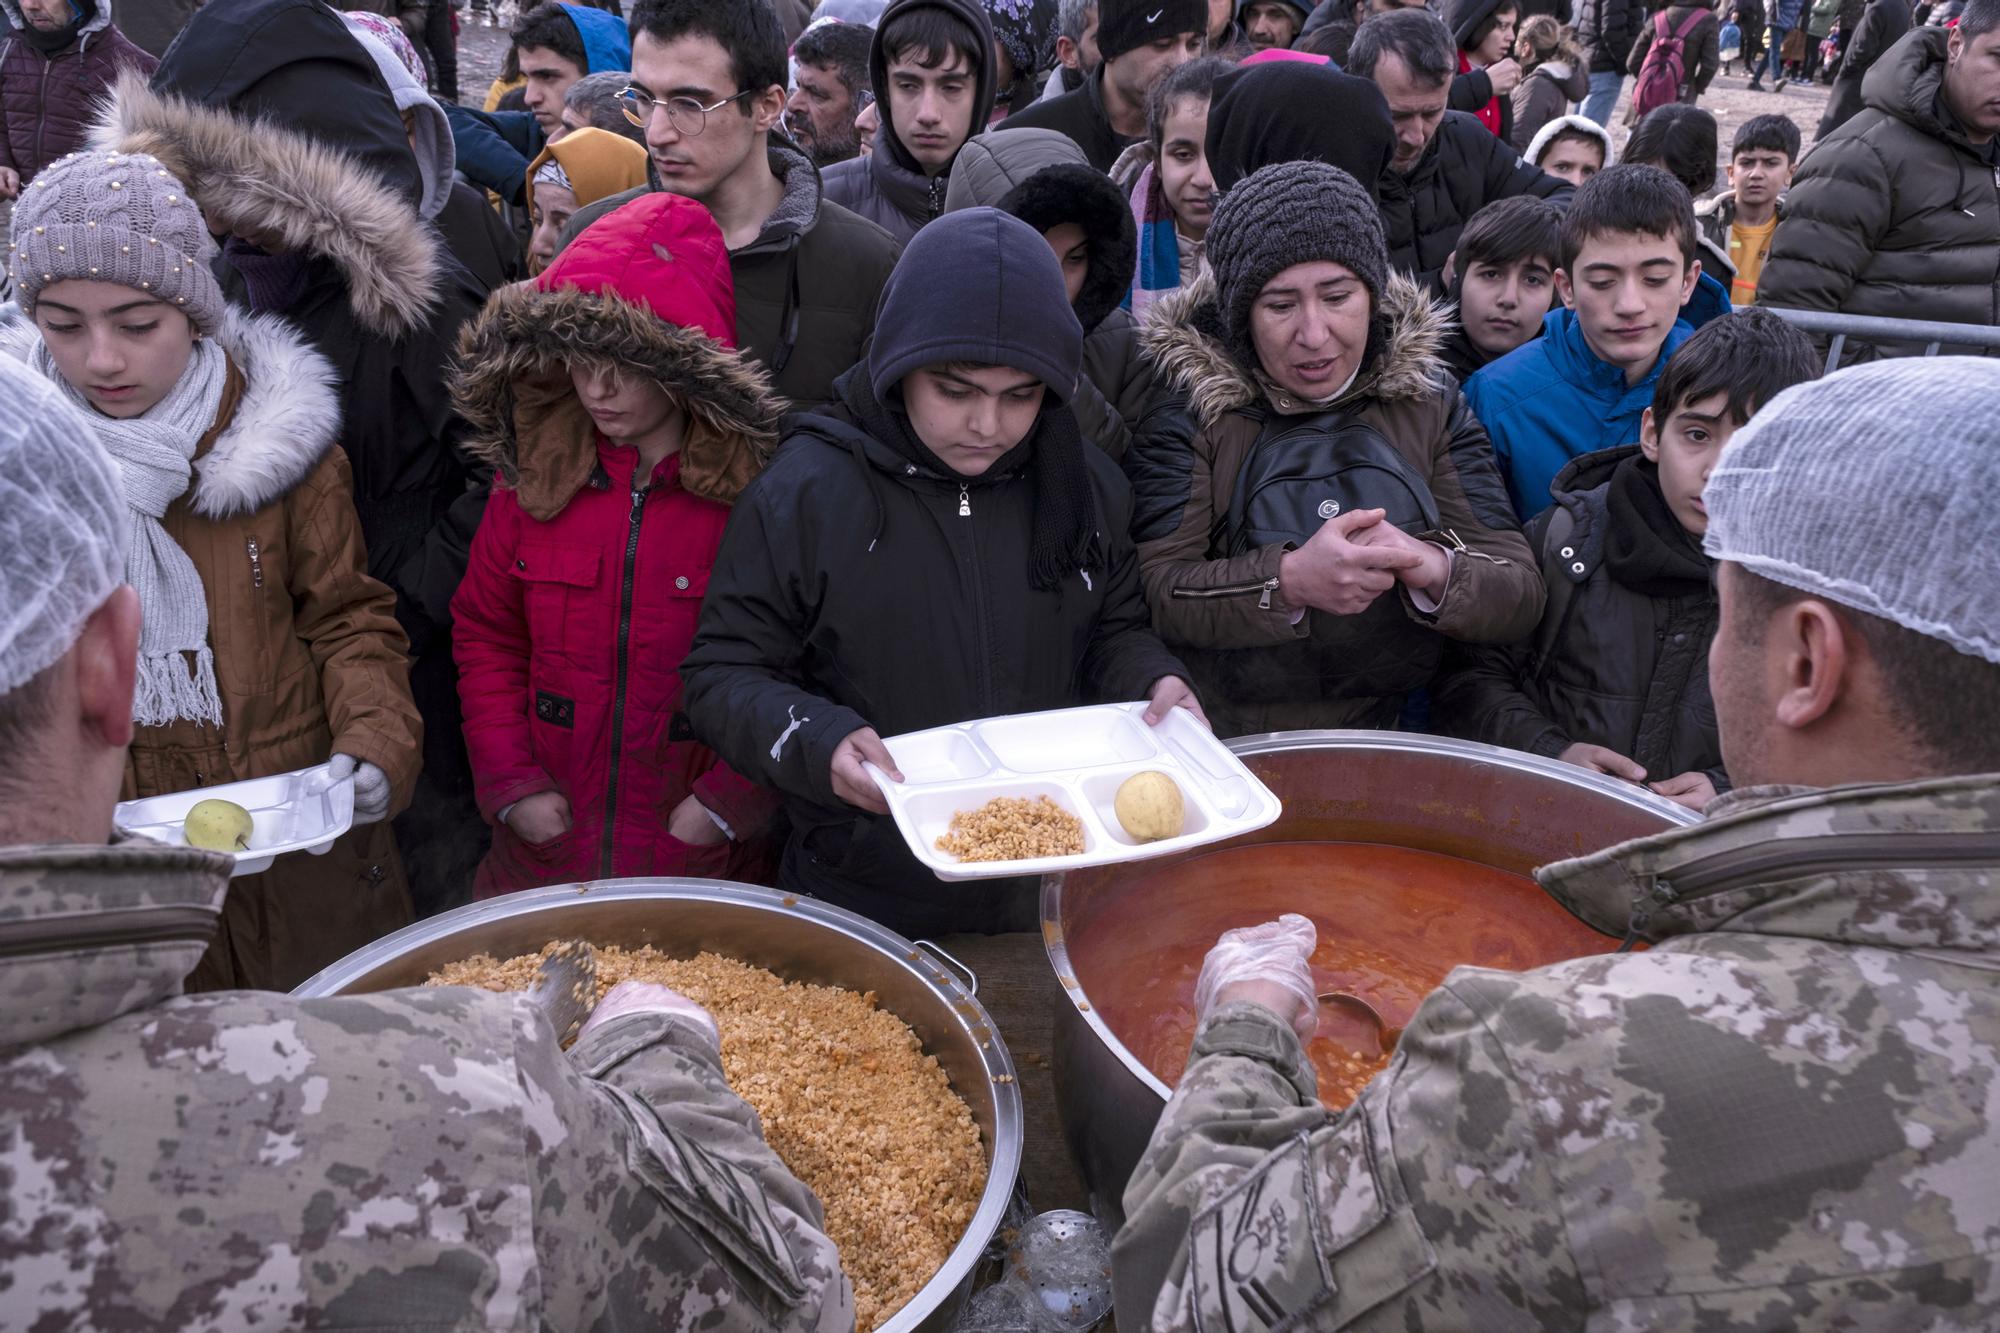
{"type": "Point", "coordinates": [708, 89]}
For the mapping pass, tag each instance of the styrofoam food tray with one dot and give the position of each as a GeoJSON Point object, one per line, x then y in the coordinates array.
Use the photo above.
{"type": "Point", "coordinates": [1076, 757]}
{"type": "Point", "coordinates": [302, 811]}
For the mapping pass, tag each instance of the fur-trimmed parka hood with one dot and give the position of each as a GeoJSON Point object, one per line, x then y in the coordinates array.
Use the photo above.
{"type": "Point", "coordinates": [254, 177]}
{"type": "Point", "coordinates": [646, 291]}
{"type": "Point", "coordinates": [1183, 339]}
{"type": "Point", "coordinates": [281, 412]}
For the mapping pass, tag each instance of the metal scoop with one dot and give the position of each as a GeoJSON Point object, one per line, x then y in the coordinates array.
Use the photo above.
{"type": "Point", "coordinates": [1386, 1037]}
{"type": "Point", "coordinates": [565, 987]}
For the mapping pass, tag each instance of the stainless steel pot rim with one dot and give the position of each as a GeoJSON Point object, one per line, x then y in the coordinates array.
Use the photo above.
{"type": "Point", "coordinates": [955, 995]}
{"type": "Point", "coordinates": [1274, 741]}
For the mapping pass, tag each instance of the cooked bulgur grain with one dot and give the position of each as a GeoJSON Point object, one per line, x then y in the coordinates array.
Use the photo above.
{"type": "Point", "coordinates": [1010, 828]}
{"type": "Point", "coordinates": [849, 1102]}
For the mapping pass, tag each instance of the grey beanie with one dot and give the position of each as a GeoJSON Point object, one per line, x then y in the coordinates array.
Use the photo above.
{"type": "Point", "coordinates": [1285, 214]}
{"type": "Point", "coordinates": [1914, 442]}
{"type": "Point", "coordinates": [115, 217]}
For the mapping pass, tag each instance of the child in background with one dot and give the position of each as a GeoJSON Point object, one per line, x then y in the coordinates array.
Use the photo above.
{"type": "Point", "coordinates": [1628, 264]}
{"type": "Point", "coordinates": [1615, 679]}
{"type": "Point", "coordinates": [1572, 147]}
{"type": "Point", "coordinates": [1506, 266]}
{"type": "Point", "coordinates": [1680, 140]}
{"type": "Point", "coordinates": [1740, 224]}
{"type": "Point", "coordinates": [1168, 181]}
{"type": "Point", "coordinates": [1729, 43]}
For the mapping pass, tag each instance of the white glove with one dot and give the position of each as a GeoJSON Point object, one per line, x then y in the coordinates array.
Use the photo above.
{"type": "Point", "coordinates": [643, 997]}
{"type": "Point", "coordinates": [1278, 954]}
{"type": "Point", "coordinates": [371, 787]}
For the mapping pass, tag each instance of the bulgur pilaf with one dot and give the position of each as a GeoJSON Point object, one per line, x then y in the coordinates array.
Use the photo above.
{"type": "Point", "coordinates": [1010, 828]}
{"type": "Point", "coordinates": [848, 1099]}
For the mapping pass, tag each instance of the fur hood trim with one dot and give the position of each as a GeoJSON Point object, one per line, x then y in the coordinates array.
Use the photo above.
{"type": "Point", "coordinates": [287, 412]}
{"type": "Point", "coordinates": [513, 388]}
{"type": "Point", "coordinates": [1181, 337]}
{"type": "Point", "coordinates": [257, 177]}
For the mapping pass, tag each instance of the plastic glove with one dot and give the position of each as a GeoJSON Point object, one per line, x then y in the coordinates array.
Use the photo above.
{"type": "Point", "coordinates": [649, 997]}
{"type": "Point", "coordinates": [1277, 954]}
{"type": "Point", "coordinates": [371, 787]}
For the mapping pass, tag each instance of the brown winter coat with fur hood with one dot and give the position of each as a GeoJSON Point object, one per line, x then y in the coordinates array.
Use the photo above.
{"type": "Point", "coordinates": [309, 658]}
{"type": "Point", "coordinates": [1237, 474]}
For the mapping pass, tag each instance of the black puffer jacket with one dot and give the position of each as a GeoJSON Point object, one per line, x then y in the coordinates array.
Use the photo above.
{"type": "Point", "coordinates": [1625, 669]}
{"type": "Point", "coordinates": [1606, 29]}
{"type": "Point", "coordinates": [888, 187]}
{"type": "Point", "coordinates": [1464, 169]}
{"type": "Point", "coordinates": [1895, 214]}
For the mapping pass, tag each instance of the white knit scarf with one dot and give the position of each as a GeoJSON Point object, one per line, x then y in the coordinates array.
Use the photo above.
{"type": "Point", "coordinates": [155, 457]}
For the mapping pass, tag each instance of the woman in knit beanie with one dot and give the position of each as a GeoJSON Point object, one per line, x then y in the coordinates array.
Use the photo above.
{"type": "Point", "coordinates": [1345, 514]}
{"type": "Point", "coordinates": [266, 647]}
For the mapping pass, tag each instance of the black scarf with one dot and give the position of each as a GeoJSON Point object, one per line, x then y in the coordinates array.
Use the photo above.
{"type": "Point", "coordinates": [51, 43]}
{"type": "Point", "coordinates": [1646, 548]}
{"type": "Point", "coordinates": [1065, 538]}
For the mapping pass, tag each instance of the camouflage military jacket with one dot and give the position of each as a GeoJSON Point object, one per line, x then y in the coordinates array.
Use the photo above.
{"type": "Point", "coordinates": [1785, 1115]}
{"type": "Point", "coordinates": [417, 1159]}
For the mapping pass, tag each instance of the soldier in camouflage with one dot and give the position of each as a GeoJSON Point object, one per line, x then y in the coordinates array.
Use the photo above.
{"type": "Point", "coordinates": [418, 1159]}
{"type": "Point", "coordinates": [1786, 1113]}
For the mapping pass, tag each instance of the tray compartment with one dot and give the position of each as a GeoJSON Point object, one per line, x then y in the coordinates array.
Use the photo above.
{"type": "Point", "coordinates": [1067, 742]}
{"type": "Point", "coordinates": [944, 755]}
{"type": "Point", "coordinates": [929, 814]}
{"type": "Point", "coordinates": [1101, 791]}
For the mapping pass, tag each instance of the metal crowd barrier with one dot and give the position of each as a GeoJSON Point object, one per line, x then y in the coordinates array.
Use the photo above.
{"type": "Point", "coordinates": [1931, 335]}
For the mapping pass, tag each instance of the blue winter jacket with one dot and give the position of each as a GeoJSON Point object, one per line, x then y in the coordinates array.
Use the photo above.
{"type": "Point", "coordinates": [1552, 400]}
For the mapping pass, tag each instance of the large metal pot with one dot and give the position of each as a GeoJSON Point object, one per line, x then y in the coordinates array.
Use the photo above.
{"type": "Point", "coordinates": [800, 939]}
{"type": "Point", "coordinates": [1497, 807]}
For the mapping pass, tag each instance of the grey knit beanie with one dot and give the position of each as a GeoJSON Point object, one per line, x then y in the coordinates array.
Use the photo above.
{"type": "Point", "coordinates": [115, 217]}
{"type": "Point", "coordinates": [1285, 214]}
{"type": "Point", "coordinates": [1913, 441]}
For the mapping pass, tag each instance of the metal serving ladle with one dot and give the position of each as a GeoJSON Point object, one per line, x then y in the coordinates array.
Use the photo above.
{"type": "Point", "coordinates": [565, 987]}
{"type": "Point", "coordinates": [1386, 1037]}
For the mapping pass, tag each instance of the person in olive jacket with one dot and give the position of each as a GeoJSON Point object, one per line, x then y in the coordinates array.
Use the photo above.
{"type": "Point", "coordinates": [1318, 511]}
{"type": "Point", "coordinates": [1616, 677]}
{"type": "Point", "coordinates": [940, 545]}
{"type": "Point", "coordinates": [1897, 213]}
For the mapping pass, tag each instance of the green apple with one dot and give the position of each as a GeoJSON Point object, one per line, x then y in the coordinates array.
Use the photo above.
{"type": "Point", "coordinates": [219, 826]}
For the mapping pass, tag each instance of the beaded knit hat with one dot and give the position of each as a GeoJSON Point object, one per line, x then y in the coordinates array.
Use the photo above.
{"type": "Point", "coordinates": [115, 217]}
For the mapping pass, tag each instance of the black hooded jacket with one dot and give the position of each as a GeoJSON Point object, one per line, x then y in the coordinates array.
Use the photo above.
{"type": "Point", "coordinates": [1080, 115]}
{"type": "Point", "coordinates": [1254, 121]}
{"type": "Point", "coordinates": [1464, 169]}
{"type": "Point", "coordinates": [860, 586]}
{"type": "Point", "coordinates": [888, 187]}
{"type": "Point", "coordinates": [1474, 88]}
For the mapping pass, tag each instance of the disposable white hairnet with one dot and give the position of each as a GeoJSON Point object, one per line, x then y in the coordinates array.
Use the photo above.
{"type": "Point", "coordinates": [62, 524]}
{"type": "Point", "coordinates": [1877, 488]}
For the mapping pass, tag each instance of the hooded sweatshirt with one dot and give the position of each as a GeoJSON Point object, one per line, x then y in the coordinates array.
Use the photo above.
{"type": "Point", "coordinates": [861, 584]}
{"type": "Point", "coordinates": [430, 132]}
{"type": "Point", "coordinates": [888, 187]}
{"type": "Point", "coordinates": [1254, 121]}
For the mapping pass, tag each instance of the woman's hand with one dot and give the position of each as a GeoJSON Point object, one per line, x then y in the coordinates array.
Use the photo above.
{"type": "Point", "coordinates": [1338, 571]}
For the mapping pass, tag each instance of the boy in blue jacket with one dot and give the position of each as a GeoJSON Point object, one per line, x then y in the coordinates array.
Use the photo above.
{"type": "Point", "coordinates": [1628, 265]}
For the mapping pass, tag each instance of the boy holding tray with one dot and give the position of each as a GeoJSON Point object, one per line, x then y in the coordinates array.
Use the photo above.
{"type": "Point", "coordinates": [939, 545]}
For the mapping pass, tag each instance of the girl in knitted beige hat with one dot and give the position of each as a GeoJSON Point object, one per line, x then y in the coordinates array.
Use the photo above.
{"type": "Point", "coordinates": [266, 647]}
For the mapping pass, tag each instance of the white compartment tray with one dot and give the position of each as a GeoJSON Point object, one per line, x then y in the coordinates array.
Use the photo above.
{"type": "Point", "coordinates": [291, 812]}
{"type": "Point", "coordinates": [1077, 757]}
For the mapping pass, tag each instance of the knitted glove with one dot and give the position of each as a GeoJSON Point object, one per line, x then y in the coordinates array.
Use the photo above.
{"type": "Point", "coordinates": [371, 787]}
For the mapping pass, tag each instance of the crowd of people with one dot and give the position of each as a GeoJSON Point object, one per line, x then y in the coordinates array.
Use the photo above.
{"type": "Point", "coordinates": [595, 475]}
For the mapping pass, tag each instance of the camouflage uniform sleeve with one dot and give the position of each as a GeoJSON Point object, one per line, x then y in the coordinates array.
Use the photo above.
{"type": "Point", "coordinates": [1431, 1202]}
{"type": "Point", "coordinates": [658, 1205]}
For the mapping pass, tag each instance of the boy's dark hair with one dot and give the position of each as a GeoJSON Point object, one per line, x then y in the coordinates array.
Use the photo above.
{"type": "Point", "coordinates": [1641, 200]}
{"type": "Point", "coordinates": [1417, 37]}
{"type": "Point", "coordinates": [1679, 139]}
{"type": "Point", "coordinates": [1946, 699]}
{"type": "Point", "coordinates": [1576, 136]}
{"type": "Point", "coordinates": [1194, 79]}
{"type": "Point", "coordinates": [551, 28]}
{"type": "Point", "coordinates": [748, 31]}
{"type": "Point", "coordinates": [1978, 18]}
{"type": "Point", "coordinates": [840, 47]}
{"type": "Point", "coordinates": [1508, 231]}
{"type": "Point", "coordinates": [1750, 355]}
{"type": "Point", "coordinates": [1767, 134]}
{"type": "Point", "coordinates": [930, 35]}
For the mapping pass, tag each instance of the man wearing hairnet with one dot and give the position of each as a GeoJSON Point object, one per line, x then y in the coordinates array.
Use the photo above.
{"type": "Point", "coordinates": [412, 1159]}
{"type": "Point", "coordinates": [1786, 1113]}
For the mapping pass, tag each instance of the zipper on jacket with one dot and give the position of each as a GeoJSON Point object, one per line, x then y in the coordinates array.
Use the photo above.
{"type": "Point", "coordinates": [256, 562]}
{"type": "Point", "coordinates": [1265, 591]}
{"type": "Point", "coordinates": [625, 584]}
{"type": "Point", "coordinates": [981, 623]}
{"type": "Point", "coordinates": [141, 925]}
{"type": "Point", "coordinates": [964, 500]}
{"type": "Point", "coordinates": [1832, 854]}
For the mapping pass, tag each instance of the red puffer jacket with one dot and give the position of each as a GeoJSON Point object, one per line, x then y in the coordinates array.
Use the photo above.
{"type": "Point", "coordinates": [584, 589]}
{"type": "Point", "coordinates": [47, 103]}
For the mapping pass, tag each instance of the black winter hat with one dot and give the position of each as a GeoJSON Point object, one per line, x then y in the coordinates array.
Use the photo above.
{"type": "Point", "coordinates": [1086, 196]}
{"type": "Point", "coordinates": [1465, 16]}
{"type": "Point", "coordinates": [1286, 214]}
{"type": "Point", "coordinates": [1127, 25]}
{"type": "Point", "coordinates": [1254, 121]}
